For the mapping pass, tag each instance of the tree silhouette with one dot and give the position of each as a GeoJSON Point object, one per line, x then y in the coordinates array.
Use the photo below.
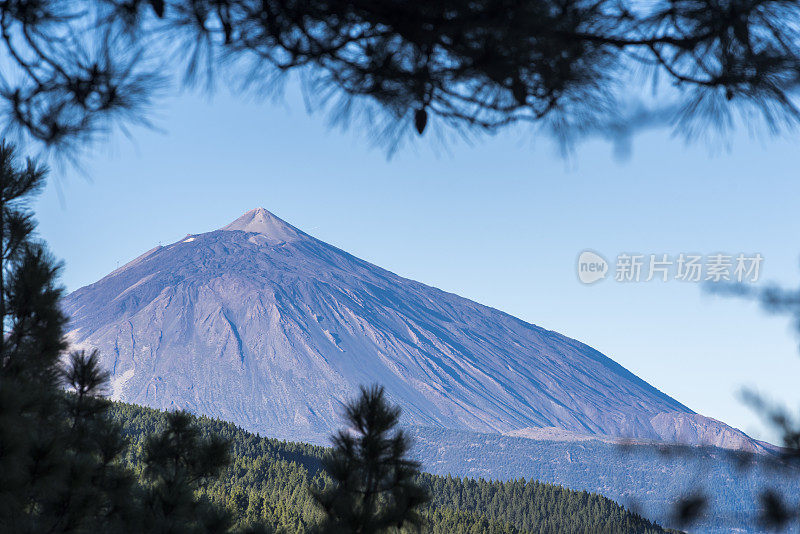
{"type": "Point", "coordinates": [177, 461]}
{"type": "Point", "coordinates": [58, 458]}
{"type": "Point", "coordinates": [62, 464]}
{"type": "Point", "coordinates": [774, 510]}
{"type": "Point", "coordinates": [375, 487]}
{"type": "Point", "coordinates": [31, 433]}
{"type": "Point", "coordinates": [77, 67]}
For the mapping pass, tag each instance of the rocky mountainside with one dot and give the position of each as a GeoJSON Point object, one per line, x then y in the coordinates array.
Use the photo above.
{"type": "Point", "coordinates": [263, 325]}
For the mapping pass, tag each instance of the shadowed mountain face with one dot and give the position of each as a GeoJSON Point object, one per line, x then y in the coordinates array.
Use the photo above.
{"type": "Point", "coordinates": [263, 325]}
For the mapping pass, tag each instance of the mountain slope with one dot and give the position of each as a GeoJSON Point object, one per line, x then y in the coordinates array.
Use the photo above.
{"type": "Point", "coordinates": [263, 325]}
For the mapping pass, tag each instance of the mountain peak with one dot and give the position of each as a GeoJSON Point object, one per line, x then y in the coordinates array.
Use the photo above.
{"type": "Point", "coordinates": [261, 221]}
{"type": "Point", "coordinates": [260, 309]}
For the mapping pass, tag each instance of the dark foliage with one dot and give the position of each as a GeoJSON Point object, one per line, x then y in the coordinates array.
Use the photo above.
{"type": "Point", "coordinates": [61, 457]}
{"type": "Point", "coordinates": [269, 485]}
{"type": "Point", "coordinates": [177, 461]}
{"type": "Point", "coordinates": [374, 480]}
{"type": "Point", "coordinates": [33, 468]}
{"type": "Point", "coordinates": [77, 66]}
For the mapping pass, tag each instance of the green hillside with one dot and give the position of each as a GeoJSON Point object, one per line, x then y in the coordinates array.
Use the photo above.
{"type": "Point", "coordinates": [268, 480]}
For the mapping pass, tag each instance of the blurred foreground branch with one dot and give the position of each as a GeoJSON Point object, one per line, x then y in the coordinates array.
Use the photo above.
{"type": "Point", "coordinates": [73, 68]}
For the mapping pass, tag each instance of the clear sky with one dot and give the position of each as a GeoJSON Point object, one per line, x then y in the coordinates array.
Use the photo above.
{"type": "Point", "coordinates": [500, 221]}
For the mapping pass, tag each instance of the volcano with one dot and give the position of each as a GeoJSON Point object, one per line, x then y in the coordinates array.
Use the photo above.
{"type": "Point", "coordinates": [263, 325]}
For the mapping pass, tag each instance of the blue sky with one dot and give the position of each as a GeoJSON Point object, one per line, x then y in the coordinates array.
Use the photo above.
{"type": "Point", "coordinates": [500, 221]}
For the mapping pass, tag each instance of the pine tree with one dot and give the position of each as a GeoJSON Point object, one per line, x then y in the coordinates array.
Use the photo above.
{"type": "Point", "coordinates": [101, 493]}
{"type": "Point", "coordinates": [573, 67]}
{"type": "Point", "coordinates": [62, 460]}
{"type": "Point", "coordinates": [33, 461]}
{"type": "Point", "coordinates": [374, 482]}
{"type": "Point", "coordinates": [177, 461]}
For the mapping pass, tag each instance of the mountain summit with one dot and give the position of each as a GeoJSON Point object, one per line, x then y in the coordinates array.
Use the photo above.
{"type": "Point", "coordinates": [261, 324]}
{"type": "Point", "coordinates": [260, 221]}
